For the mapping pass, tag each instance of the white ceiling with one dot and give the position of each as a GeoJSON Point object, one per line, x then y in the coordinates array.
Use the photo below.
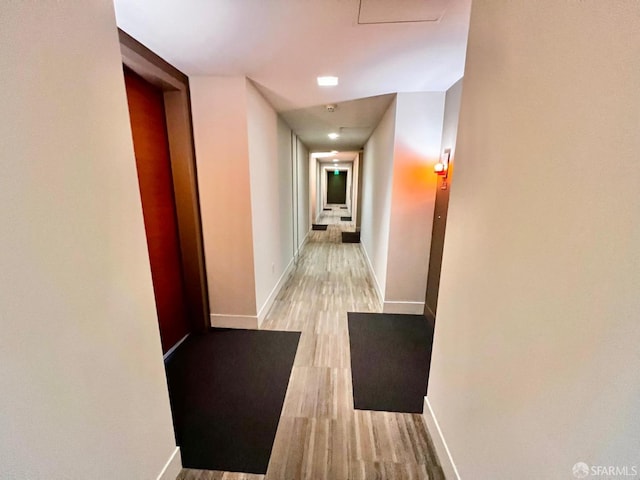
{"type": "Point", "coordinates": [283, 45]}
{"type": "Point", "coordinates": [342, 157]}
{"type": "Point", "coordinates": [353, 121]}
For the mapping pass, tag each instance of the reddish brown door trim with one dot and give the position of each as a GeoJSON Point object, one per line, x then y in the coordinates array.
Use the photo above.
{"type": "Point", "coordinates": [175, 87]}
{"type": "Point", "coordinates": [155, 181]}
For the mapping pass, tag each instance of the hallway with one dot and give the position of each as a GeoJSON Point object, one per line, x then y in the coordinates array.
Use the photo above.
{"type": "Point", "coordinates": [320, 435]}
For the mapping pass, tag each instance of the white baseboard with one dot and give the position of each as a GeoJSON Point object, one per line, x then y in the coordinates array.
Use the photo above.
{"type": "Point", "coordinates": [234, 321]}
{"type": "Point", "coordinates": [411, 308]}
{"type": "Point", "coordinates": [173, 466]}
{"type": "Point", "coordinates": [373, 274]}
{"type": "Point", "coordinates": [264, 310]}
{"type": "Point", "coordinates": [440, 444]}
{"type": "Point", "coordinates": [304, 242]}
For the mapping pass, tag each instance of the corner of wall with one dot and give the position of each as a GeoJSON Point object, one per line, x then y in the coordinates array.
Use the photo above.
{"type": "Point", "coordinates": [376, 285]}
{"type": "Point", "coordinates": [219, 111]}
{"type": "Point", "coordinates": [377, 176]}
{"type": "Point", "coordinates": [266, 307]}
{"type": "Point", "coordinates": [416, 148]}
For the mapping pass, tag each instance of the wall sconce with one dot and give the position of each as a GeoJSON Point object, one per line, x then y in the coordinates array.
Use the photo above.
{"type": "Point", "coordinates": [442, 168]}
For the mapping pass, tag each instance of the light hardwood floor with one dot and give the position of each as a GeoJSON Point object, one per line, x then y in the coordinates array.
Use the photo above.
{"type": "Point", "coordinates": [320, 436]}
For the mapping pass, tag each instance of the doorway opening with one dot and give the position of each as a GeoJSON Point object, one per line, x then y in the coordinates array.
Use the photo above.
{"type": "Point", "coordinates": [159, 106]}
{"type": "Point", "coordinates": [337, 187]}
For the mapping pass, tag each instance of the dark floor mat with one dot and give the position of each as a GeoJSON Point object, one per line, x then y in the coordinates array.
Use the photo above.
{"type": "Point", "coordinates": [227, 388]}
{"type": "Point", "coordinates": [350, 237]}
{"type": "Point", "coordinates": [390, 359]}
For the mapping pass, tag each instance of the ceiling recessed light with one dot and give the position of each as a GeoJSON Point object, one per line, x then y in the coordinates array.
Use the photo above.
{"type": "Point", "coordinates": [334, 152]}
{"type": "Point", "coordinates": [327, 81]}
{"type": "Point", "coordinates": [333, 135]}
{"type": "Point", "coordinates": [335, 159]}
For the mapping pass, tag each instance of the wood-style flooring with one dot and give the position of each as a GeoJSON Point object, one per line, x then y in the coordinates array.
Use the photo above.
{"type": "Point", "coordinates": [320, 436]}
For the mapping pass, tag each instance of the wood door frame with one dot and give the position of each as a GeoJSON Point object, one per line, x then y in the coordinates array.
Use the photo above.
{"type": "Point", "coordinates": [436, 249]}
{"type": "Point", "coordinates": [177, 102]}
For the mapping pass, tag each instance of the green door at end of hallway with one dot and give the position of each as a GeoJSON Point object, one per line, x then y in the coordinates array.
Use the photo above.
{"type": "Point", "coordinates": [337, 186]}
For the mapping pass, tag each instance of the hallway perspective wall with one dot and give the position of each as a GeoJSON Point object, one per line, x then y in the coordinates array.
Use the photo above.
{"type": "Point", "coordinates": [451, 119]}
{"type": "Point", "coordinates": [302, 159]}
{"type": "Point", "coordinates": [398, 195]}
{"type": "Point", "coordinates": [270, 163]}
{"type": "Point", "coordinates": [83, 387]}
{"type": "Point", "coordinates": [536, 344]}
{"type": "Point", "coordinates": [357, 169]}
{"type": "Point", "coordinates": [417, 140]}
{"type": "Point", "coordinates": [220, 129]}
{"type": "Point", "coordinates": [246, 158]}
{"type": "Point", "coordinates": [313, 190]}
{"type": "Point", "coordinates": [377, 174]}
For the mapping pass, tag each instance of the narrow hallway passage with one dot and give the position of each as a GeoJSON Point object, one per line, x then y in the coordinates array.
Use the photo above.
{"type": "Point", "coordinates": [320, 435]}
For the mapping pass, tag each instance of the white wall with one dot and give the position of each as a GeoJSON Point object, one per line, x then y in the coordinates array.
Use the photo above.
{"type": "Point", "coordinates": [354, 187]}
{"type": "Point", "coordinates": [313, 190]}
{"type": "Point", "coordinates": [219, 110]}
{"type": "Point", "coordinates": [418, 136]}
{"type": "Point", "coordinates": [319, 206]}
{"type": "Point", "coordinates": [377, 174]}
{"type": "Point", "coordinates": [83, 387]}
{"type": "Point", "coordinates": [451, 120]}
{"type": "Point", "coordinates": [535, 359]}
{"type": "Point", "coordinates": [302, 191]}
{"type": "Point", "coordinates": [271, 195]}
{"type": "Point", "coordinates": [398, 196]}
{"type": "Point", "coordinates": [246, 160]}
